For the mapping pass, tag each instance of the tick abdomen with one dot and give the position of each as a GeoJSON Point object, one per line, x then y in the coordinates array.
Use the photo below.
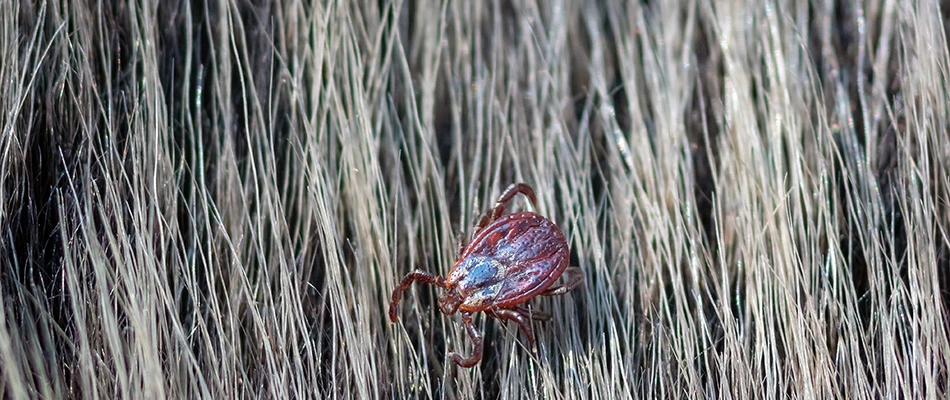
{"type": "Point", "coordinates": [508, 262]}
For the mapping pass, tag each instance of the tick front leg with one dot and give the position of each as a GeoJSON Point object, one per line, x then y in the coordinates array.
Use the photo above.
{"type": "Point", "coordinates": [523, 318]}
{"type": "Point", "coordinates": [476, 338]}
{"type": "Point", "coordinates": [574, 277]}
{"type": "Point", "coordinates": [417, 275]}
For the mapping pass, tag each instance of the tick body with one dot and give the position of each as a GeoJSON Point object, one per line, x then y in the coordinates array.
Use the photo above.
{"type": "Point", "coordinates": [511, 259]}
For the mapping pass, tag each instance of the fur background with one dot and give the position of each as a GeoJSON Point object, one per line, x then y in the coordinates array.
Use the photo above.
{"type": "Point", "coordinates": [216, 199]}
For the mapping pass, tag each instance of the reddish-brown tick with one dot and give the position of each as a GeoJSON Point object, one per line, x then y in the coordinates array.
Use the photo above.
{"type": "Point", "coordinates": [511, 259]}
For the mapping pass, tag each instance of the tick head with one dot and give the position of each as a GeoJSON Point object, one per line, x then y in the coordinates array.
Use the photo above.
{"type": "Point", "coordinates": [450, 301]}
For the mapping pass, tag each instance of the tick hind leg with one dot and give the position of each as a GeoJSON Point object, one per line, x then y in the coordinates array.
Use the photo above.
{"type": "Point", "coordinates": [503, 201]}
{"type": "Point", "coordinates": [573, 276]}
{"type": "Point", "coordinates": [536, 315]}
{"type": "Point", "coordinates": [417, 275]}
{"type": "Point", "coordinates": [523, 317]}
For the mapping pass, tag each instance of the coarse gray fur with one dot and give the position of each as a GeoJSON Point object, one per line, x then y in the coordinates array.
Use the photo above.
{"type": "Point", "coordinates": [216, 199]}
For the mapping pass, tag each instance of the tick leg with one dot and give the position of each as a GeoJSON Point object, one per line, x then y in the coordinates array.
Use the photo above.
{"type": "Point", "coordinates": [476, 338]}
{"type": "Point", "coordinates": [503, 201]}
{"type": "Point", "coordinates": [417, 275]}
{"type": "Point", "coordinates": [458, 250]}
{"type": "Point", "coordinates": [509, 194]}
{"type": "Point", "coordinates": [574, 278]}
{"type": "Point", "coordinates": [483, 222]}
{"type": "Point", "coordinates": [521, 316]}
{"type": "Point", "coordinates": [534, 314]}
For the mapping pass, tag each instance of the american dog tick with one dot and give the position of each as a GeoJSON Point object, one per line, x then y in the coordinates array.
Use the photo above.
{"type": "Point", "coordinates": [510, 260]}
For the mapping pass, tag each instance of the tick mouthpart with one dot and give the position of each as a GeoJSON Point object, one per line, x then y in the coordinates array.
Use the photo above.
{"type": "Point", "coordinates": [450, 301]}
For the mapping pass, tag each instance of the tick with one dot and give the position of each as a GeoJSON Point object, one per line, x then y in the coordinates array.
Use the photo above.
{"type": "Point", "coordinates": [511, 259]}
